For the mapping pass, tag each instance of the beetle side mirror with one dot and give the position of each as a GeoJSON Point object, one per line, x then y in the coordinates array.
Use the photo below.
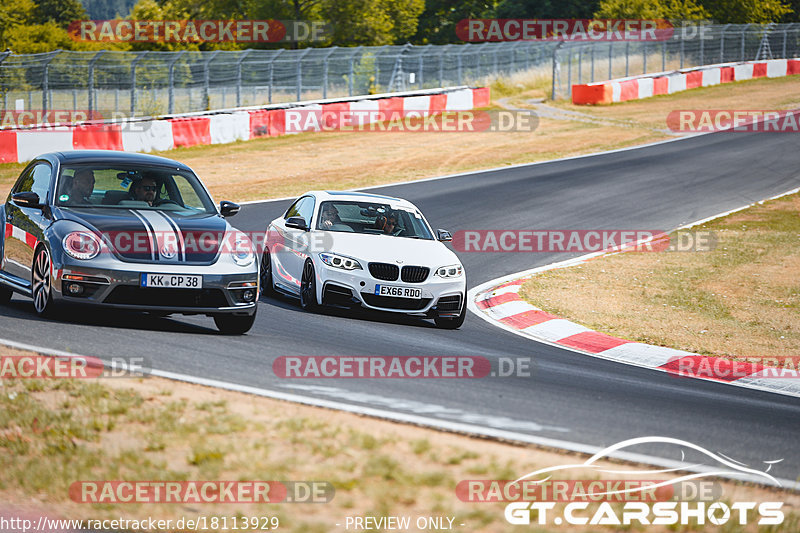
{"type": "Point", "coordinates": [27, 199]}
{"type": "Point", "coordinates": [228, 209]}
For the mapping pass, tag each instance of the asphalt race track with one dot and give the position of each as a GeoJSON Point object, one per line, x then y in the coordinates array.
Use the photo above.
{"type": "Point", "coordinates": [570, 396]}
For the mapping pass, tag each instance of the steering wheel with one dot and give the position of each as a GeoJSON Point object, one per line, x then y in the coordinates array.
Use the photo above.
{"type": "Point", "coordinates": [163, 201]}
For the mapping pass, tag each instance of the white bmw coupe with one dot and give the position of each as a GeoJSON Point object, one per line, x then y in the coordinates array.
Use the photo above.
{"type": "Point", "coordinates": [348, 249]}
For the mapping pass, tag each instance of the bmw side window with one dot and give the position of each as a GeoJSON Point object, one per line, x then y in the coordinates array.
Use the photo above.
{"type": "Point", "coordinates": [293, 211]}
{"type": "Point", "coordinates": [306, 209]}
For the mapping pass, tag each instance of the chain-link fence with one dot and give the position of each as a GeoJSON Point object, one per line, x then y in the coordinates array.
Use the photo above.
{"type": "Point", "coordinates": [157, 83]}
{"type": "Point", "coordinates": [690, 46]}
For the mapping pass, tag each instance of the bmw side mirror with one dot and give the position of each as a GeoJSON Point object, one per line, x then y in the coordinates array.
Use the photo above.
{"type": "Point", "coordinates": [443, 235]}
{"type": "Point", "coordinates": [228, 209]}
{"type": "Point", "coordinates": [27, 199]}
{"type": "Point", "coordinates": [297, 223]}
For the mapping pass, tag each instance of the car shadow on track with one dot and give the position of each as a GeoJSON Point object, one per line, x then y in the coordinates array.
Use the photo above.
{"type": "Point", "coordinates": [292, 305]}
{"type": "Point", "coordinates": [84, 315]}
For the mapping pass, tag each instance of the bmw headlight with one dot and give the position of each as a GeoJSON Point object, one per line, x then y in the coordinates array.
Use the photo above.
{"type": "Point", "coordinates": [242, 252]}
{"type": "Point", "coordinates": [450, 271]}
{"type": "Point", "coordinates": [82, 245]}
{"type": "Point", "coordinates": [340, 261]}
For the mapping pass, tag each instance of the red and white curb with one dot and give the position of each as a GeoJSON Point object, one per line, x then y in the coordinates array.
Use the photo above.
{"type": "Point", "coordinates": [498, 302]}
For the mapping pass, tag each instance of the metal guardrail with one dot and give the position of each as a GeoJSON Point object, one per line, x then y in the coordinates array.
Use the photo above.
{"type": "Point", "coordinates": [134, 84]}
{"type": "Point", "coordinates": [156, 83]}
{"type": "Point", "coordinates": [692, 46]}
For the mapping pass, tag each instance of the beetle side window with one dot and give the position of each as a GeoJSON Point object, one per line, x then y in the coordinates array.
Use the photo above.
{"type": "Point", "coordinates": [36, 179]}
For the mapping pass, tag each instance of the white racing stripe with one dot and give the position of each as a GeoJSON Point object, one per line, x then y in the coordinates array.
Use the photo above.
{"type": "Point", "coordinates": [164, 233]}
{"type": "Point", "coordinates": [148, 228]}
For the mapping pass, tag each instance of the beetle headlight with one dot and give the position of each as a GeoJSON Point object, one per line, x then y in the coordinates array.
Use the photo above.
{"type": "Point", "coordinates": [242, 252]}
{"type": "Point", "coordinates": [450, 271]}
{"type": "Point", "coordinates": [340, 261]}
{"type": "Point", "coordinates": [82, 245]}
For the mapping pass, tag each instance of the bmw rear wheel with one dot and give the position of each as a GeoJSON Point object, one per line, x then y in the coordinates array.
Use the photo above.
{"type": "Point", "coordinates": [266, 275]}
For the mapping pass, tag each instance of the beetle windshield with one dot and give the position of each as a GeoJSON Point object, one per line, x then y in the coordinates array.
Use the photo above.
{"type": "Point", "coordinates": [132, 187]}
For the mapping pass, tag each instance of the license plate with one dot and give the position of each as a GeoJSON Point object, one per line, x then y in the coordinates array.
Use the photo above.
{"type": "Point", "coordinates": [398, 292]}
{"type": "Point", "coordinates": [180, 281]}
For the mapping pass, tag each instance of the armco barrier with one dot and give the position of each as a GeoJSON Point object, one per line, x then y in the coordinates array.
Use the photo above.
{"type": "Point", "coordinates": [636, 87]}
{"type": "Point", "coordinates": [20, 145]}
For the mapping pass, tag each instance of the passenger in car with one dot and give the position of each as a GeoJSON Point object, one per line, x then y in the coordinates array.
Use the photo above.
{"type": "Point", "coordinates": [82, 186]}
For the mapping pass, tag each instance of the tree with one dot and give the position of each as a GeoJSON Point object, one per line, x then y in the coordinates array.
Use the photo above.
{"type": "Point", "coordinates": [547, 9]}
{"type": "Point", "coordinates": [14, 13]}
{"type": "Point", "coordinates": [372, 22]}
{"type": "Point", "coordinates": [651, 9]}
{"type": "Point", "coordinates": [62, 12]}
{"type": "Point", "coordinates": [38, 38]}
{"type": "Point", "coordinates": [747, 11]}
{"type": "Point", "coordinates": [437, 23]}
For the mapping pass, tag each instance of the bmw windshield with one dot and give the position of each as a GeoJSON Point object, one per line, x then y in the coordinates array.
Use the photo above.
{"type": "Point", "coordinates": [372, 218]}
{"type": "Point", "coordinates": [133, 187]}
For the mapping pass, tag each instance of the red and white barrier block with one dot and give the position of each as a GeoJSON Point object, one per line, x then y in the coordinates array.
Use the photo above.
{"type": "Point", "coordinates": [20, 145]}
{"type": "Point", "coordinates": [503, 305]}
{"type": "Point", "coordinates": [645, 86]}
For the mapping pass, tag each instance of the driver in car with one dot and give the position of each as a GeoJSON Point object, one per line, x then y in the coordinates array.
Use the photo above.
{"type": "Point", "coordinates": [387, 223]}
{"type": "Point", "coordinates": [329, 216]}
{"type": "Point", "coordinates": [144, 190]}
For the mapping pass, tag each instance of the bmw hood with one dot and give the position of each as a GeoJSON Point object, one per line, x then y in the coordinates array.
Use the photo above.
{"type": "Point", "coordinates": [387, 249]}
{"type": "Point", "coordinates": [150, 235]}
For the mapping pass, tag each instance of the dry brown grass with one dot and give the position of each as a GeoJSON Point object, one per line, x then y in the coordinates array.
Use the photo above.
{"type": "Point", "coordinates": [287, 166]}
{"type": "Point", "coordinates": [740, 300]}
{"type": "Point", "coordinates": [155, 429]}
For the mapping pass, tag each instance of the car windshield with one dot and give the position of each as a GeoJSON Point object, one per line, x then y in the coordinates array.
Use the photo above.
{"type": "Point", "coordinates": [132, 187]}
{"type": "Point", "coordinates": [372, 218]}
